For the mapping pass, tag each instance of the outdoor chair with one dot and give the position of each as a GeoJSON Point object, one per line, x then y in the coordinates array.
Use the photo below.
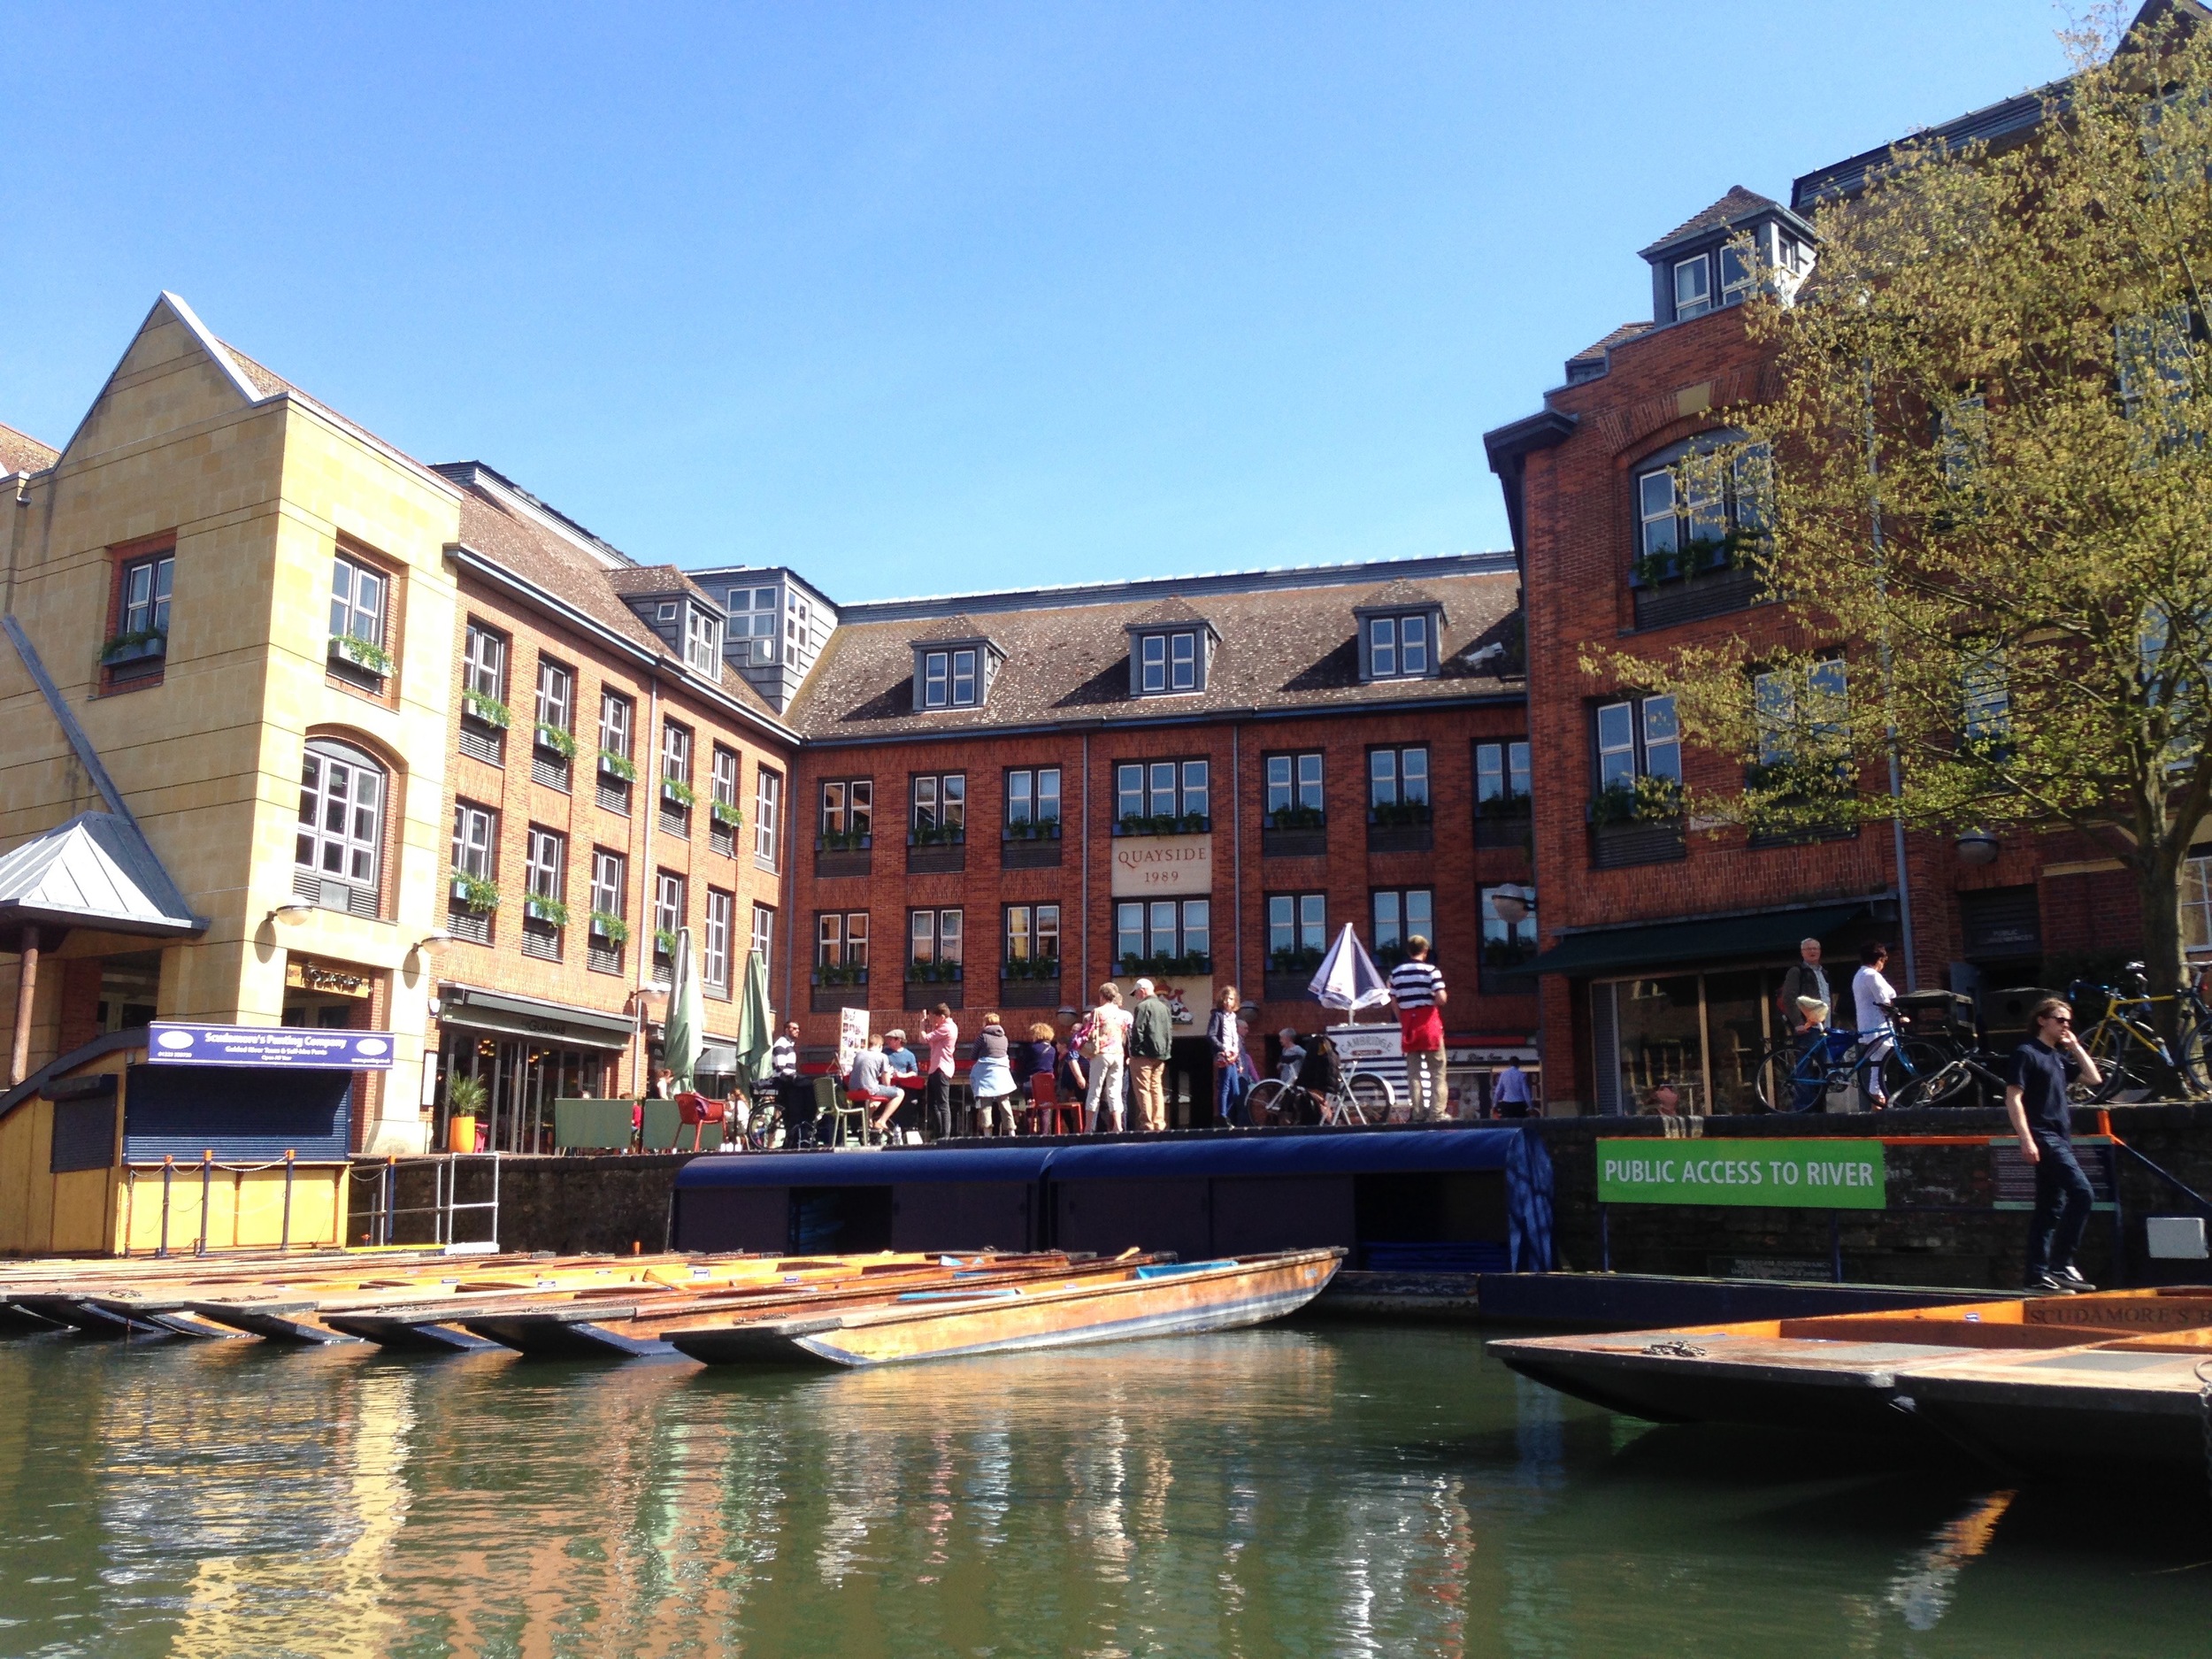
{"type": "Point", "coordinates": [837, 1114]}
{"type": "Point", "coordinates": [663, 1125]}
{"type": "Point", "coordinates": [1046, 1114]}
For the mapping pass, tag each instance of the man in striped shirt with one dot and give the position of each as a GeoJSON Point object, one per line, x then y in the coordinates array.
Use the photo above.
{"type": "Point", "coordinates": [1417, 988]}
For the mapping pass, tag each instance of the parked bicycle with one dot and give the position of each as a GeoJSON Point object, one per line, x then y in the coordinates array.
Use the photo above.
{"type": "Point", "coordinates": [2126, 1046]}
{"type": "Point", "coordinates": [1886, 1062]}
{"type": "Point", "coordinates": [1362, 1098]}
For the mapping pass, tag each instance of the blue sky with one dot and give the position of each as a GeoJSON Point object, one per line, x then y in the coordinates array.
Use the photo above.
{"type": "Point", "coordinates": [930, 296]}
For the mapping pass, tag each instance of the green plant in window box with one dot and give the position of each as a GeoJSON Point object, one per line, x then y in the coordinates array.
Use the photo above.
{"type": "Point", "coordinates": [836, 973]}
{"type": "Point", "coordinates": [361, 653]}
{"type": "Point", "coordinates": [728, 813]}
{"type": "Point", "coordinates": [486, 711]}
{"type": "Point", "coordinates": [664, 942]}
{"type": "Point", "coordinates": [139, 642]}
{"type": "Point", "coordinates": [1503, 805]}
{"type": "Point", "coordinates": [1293, 959]}
{"type": "Point", "coordinates": [1189, 964]}
{"type": "Point", "coordinates": [1165, 823]}
{"type": "Point", "coordinates": [544, 908]}
{"type": "Point", "coordinates": [923, 971]}
{"type": "Point", "coordinates": [1030, 968]}
{"type": "Point", "coordinates": [548, 736]}
{"type": "Point", "coordinates": [1645, 800]}
{"type": "Point", "coordinates": [617, 765]}
{"type": "Point", "coordinates": [607, 925]}
{"type": "Point", "coordinates": [474, 893]}
{"type": "Point", "coordinates": [936, 835]}
{"type": "Point", "coordinates": [1399, 814]}
{"type": "Point", "coordinates": [1033, 829]}
{"type": "Point", "coordinates": [1295, 818]}
{"type": "Point", "coordinates": [678, 793]}
{"type": "Point", "coordinates": [844, 841]}
{"type": "Point", "coordinates": [1652, 568]}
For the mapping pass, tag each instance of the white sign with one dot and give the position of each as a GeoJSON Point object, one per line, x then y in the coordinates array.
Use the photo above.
{"type": "Point", "coordinates": [1146, 864]}
{"type": "Point", "coordinates": [852, 1037]}
{"type": "Point", "coordinates": [1362, 1045]}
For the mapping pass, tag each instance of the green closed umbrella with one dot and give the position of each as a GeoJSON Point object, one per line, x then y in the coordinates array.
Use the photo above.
{"type": "Point", "coordinates": [754, 1019]}
{"type": "Point", "coordinates": [681, 1037]}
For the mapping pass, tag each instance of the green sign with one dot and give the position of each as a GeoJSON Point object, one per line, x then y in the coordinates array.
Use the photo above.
{"type": "Point", "coordinates": [1785, 1174]}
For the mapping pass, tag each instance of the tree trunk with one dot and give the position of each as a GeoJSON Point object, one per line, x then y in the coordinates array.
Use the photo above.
{"type": "Point", "coordinates": [2158, 890]}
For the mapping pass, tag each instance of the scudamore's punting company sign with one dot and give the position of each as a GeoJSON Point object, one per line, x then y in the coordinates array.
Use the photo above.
{"type": "Point", "coordinates": [173, 1044]}
{"type": "Point", "coordinates": [1782, 1174]}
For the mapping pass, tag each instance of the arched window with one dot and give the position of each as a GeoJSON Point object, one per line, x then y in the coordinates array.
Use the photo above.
{"type": "Point", "coordinates": [337, 854]}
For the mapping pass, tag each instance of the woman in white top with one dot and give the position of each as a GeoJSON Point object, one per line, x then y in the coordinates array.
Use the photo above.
{"type": "Point", "coordinates": [1873, 993]}
{"type": "Point", "coordinates": [1105, 1049]}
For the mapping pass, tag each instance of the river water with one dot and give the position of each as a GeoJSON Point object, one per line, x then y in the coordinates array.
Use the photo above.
{"type": "Point", "coordinates": [1322, 1490]}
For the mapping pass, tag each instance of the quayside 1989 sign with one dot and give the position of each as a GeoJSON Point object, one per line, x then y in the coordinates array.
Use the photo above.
{"type": "Point", "coordinates": [1776, 1174]}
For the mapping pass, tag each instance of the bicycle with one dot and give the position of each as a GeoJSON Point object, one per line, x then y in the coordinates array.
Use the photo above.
{"type": "Point", "coordinates": [1364, 1098]}
{"type": "Point", "coordinates": [2131, 1056]}
{"type": "Point", "coordinates": [1842, 1058]}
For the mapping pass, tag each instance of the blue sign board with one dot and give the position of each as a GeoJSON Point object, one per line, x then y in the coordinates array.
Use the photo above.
{"type": "Point", "coordinates": [175, 1044]}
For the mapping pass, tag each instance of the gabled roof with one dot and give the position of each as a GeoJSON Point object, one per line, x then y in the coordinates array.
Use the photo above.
{"type": "Point", "coordinates": [647, 581]}
{"type": "Point", "coordinates": [1736, 206]}
{"type": "Point", "coordinates": [1399, 595]}
{"type": "Point", "coordinates": [19, 452]}
{"type": "Point", "coordinates": [1597, 350]}
{"type": "Point", "coordinates": [95, 871]}
{"type": "Point", "coordinates": [954, 629]}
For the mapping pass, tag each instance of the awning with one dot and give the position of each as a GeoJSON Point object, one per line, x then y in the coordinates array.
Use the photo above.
{"type": "Point", "coordinates": [534, 1017]}
{"type": "Point", "coordinates": [1684, 944]}
{"type": "Point", "coordinates": [95, 871]}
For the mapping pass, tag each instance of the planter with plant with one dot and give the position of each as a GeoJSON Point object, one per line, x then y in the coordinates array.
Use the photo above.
{"type": "Point", "coordinates": [837, 973]}
{"type": "Point", "coordinates": [606, 925]}
{"type": "Point", "coordinates": [465, 1096]}
{"type": "Point", "coordinates": [1295, 817]}
{"type": "Point", "coordinates": [1189, 964]}
{"type": "Point", "coordinates": [134, 646]}
{"type": "Point", "coordinates": [1164, 823]}
{"type": "Point", "coordinates": [1398, 814]}
{"type": "Point", "coordinates": [676, 792]}
{"type": "Point", "coordinates": [544, 907]}
{"type": "Point", "coordinates": [936, 835]}
{"type": "Point", "coordinates": [473, 893]}
{"type": "Point", "coordinates": [664, 942]}
{"type": "Point", "coordinates": [361, 653]}
{"type": "Point", "coordinates": [553, 739]}
{"type": "Point", "coordinates": [486, 711]}
{"type": "Point", "coordinates": [618, 766]}
{"type": "Point", "coordinates": [844, 841]}
{"type": "Point", "coordinates": [922, 970]}
{"type": "Point", "coordinates": [1033, 829]}
{"type": "Point", "coordinates": [727, 814]}
{"type": "Point", "coordinates": [1030, 968]}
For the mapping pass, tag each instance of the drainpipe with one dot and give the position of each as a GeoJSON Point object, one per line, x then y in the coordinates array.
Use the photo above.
{"type": "Point", "coordinates": [1083, 991]}
{"type": "Point", "coordinates": [647, 895]}
{"type": "Point", "coordinates": [1236, 852]}
{"type": "Point", "coordinates": [26, 987]}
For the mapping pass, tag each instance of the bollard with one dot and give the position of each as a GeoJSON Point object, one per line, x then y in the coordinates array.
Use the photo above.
{"type": "Point", "coordinates": [168, 1169]}
{"type": "Point", "coordinates": [207, 1182]}
{"type": "Point", "coordinates": [284, 1238]}
{"type": "Point", "coordinates": [391, 1176]}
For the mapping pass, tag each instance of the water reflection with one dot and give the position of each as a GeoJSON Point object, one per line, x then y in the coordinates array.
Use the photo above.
{"type": "Point", "coordinates": [1280, 1492]}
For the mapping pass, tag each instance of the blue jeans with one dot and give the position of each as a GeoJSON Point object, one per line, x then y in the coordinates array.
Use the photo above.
{"type": "Point", "coordinates": [1810, 1078]}
{"type": "Point", "coordinates": [2062, 1198]}
{"type": "Point", "coordinates": [1229, 1097]}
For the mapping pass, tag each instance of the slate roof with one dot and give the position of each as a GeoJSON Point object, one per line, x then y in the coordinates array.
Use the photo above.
{"type": "Point", "coordinates": [1283, 646]}
{"type": "Point", "coordinates": [1736, 205]}
{"type": "Point", "coordinates": [645, 580]}
{"type": "Point", "coordinates": [269, 383]}
{"type": "Point", "coordinates": [1399, 595]}
{"type": "Point", "coordinates": [95, 871]}
{"type": "Point", "coordinates": [1597, 352]}
{"type": "Point", "coordinates": [19, 452]}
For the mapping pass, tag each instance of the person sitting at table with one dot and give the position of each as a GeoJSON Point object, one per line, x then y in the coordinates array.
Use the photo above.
{"type": "Point", "coordinates": [906, 1077]}
{"type": "Point", "coordinates": [871, 1078]}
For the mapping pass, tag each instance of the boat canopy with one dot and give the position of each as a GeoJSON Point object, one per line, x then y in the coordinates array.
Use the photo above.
{"type": "Point", "coordinates": [890, 1168]}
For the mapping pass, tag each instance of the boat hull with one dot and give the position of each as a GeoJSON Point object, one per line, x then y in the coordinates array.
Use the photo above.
{"type": "Point", "coordinates": [2069, 1423]}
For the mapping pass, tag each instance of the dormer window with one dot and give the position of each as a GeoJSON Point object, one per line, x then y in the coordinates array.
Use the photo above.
{"type": "Point", "coordinates": [702, 642]}
{"type": "Point", "coordinates": [1398, 648]}
{"type": "Point", "coordinates": [954, 672]}
{"type": "Point", "coordinates": [1692, 286]}
{"type": "Point", "coordinates": [1167, 662]}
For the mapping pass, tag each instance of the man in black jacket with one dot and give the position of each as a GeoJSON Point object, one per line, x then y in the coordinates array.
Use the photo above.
{"type": "Point", "coordinates": [2035, 1100]}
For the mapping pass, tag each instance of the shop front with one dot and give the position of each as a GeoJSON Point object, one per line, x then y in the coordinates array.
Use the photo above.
{"type": "Point", "coordinates": [527, 1052]}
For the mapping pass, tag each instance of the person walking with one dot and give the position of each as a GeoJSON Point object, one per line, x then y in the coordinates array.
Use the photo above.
{"type": "Point", "coordinates": [1508, 1091]}
{"type": "Point", "coordinates": [1416, 985]}
{"type": "Point", "coordinates": [1150, 1043]}
{"type": "Point", "coordinates": [1872, 996]}
{"type": "Point", "coordinates": [941, 1036]}
{"type": "Point", "coordinates": [2042, 1068]}
{"type": "Point", "coordinates": [991, 1080]}
{"type": "Point", "coordinates": [1104, 1048]}
{"type": "Point", "coordinates": [1803, 1000]}
{"type": "Point", "coordinates": [1227, 1036]}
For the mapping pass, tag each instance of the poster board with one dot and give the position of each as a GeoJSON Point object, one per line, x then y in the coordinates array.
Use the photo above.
{"type": "Point", "coordinates": [852, 1037]}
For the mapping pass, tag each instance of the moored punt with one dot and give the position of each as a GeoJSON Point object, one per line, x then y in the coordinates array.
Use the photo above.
{"type": "Point", "coordinates": [578, 1331]}
{"type": "Point", "coordinates": [1122, 1302]}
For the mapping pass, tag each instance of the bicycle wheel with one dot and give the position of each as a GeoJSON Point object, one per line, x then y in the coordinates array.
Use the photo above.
{"type": "Point", "coordinates": [1912, 1068]}
{"type": "Point", "coordinates": [1776, 1078]}
{"type": "Point", "coordinates": [1941, 1087]}
{"type": "Point", "coordinates": [1259, 1105]}
{"type": "Point", "coordinates": [2196, 1058]}
{"type": "Point", "coordinates": [2130, 1067]}
{"type": "Point", "coordinates": [1372, 1095]}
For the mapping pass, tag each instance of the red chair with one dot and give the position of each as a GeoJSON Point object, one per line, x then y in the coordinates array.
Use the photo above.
{"type": "Point", "coordinates": [1046, 1108]}
{"type": "Point", "coordinates": [695, 1110]}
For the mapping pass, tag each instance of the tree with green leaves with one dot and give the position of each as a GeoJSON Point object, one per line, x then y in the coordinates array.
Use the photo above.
{"type": "Point", "coordinates": [1984, 502]}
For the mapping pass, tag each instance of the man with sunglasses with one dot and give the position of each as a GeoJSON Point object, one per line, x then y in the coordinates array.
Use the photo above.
{"type": "Point", "coordinates": [2042, 1070]}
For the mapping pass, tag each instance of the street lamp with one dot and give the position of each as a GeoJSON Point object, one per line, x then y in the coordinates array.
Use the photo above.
{"type": "Point", "coordinates": [289, 912]}
{"type": "Point", "coordinates": [1977, 847]}
{"type": "Point", "coordinates": [1509, 907]}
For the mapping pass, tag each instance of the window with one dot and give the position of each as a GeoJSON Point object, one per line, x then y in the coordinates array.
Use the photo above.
{"type": "Point", "coordinates": [1638, 738]}
{"type": "Point", "coordinates": [667, 611]}
{"type": "Point", "coordinates": [1157, 932]}
{"type": "Point", "coordinates": [610, 884]}
{"type": "Point", "coordinates": [1791, 727]}
{"type": "Point", "coordinates": [668, 911]}
{"type": "Point", "coordinates": [1984, 700]}
{"type": "Point", "coordinates": [1167, 662]}
{"type": "Point", "coordinates": [841, 938]}
{"type": "Point", "coordinates": [1294, 789]}
{"type": "Point", "coordinates": [934, 940]}
{"type": "Point", "coordinates": [1400, 913]}
{"type": "Point", "coordinates": [557, 696]}
{"type": "Point", "coordinates": [1032, 796]}
{"type": "Point", "coordinates": [675, 753]}
{"type": "Point", "coordinates": [764, 931]}
{"type": "Point", "coordinates": [145, 594]}
{"type": "Point", "coordinates": [1692, 286]}
{"type": "Point", "coordinates": [726, 784]}
{"type": "Point", "coordinates": [1398, 648]}
{"type": "Point", "coordinates": [615, 725]}
{"type": "Point", "coordinates": [484, 665]}
{"type": "Point", "coordinates": [357, 599]}
{"type": "Point", "coordinates": [1297, 931]}
{"type": "Point", "coordinates": [475, 835]}
{"type": "Point", "coordinates": [939, 806]}
{"type": "Point", "coordinates": [1509, 937]}
{"type": "Point", "coordinates": [1164, 797]}
{"type": "Point", "coordinates": [702, 642]}
{"type": "Point", "coordinates": [795, 629]}
{"type": "Point", "coordinates": [951, 679]}
{"type": "Point", "coordinates": [1032, 935]}
{"type": "Point", "coordinates": [545, 881]}
{"type": "Point", "coordinates": [341, 833]}
{"type": "Point", "coordinates": [849, 811]}
{"type": "Point", "coordinates": [1501, 776]}
{"type": "Point", "coordinates": [2196, 905]}
{"type": "Point", "coordinates": [1397, 778]}
{"type": "Point", "coordinates": [767, 819]}
{"type": "Point", "coordinates": [714, 956]}
{"type": "Point", "coordinates": [2157, 373]}
{"type": "Point", "coordinates": [1687, 508]}
{"type": "Point", "coordinates": [753, 613]}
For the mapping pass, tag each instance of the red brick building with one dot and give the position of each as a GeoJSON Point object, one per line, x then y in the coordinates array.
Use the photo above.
{"type": "Point", "coordinates": [1663, 941]}
{"type": "Point", "coordinates": [1002, 799]}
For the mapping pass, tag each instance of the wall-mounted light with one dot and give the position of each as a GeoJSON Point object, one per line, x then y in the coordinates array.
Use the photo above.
{"type": "Point", "coordinates": [290, 911]}
{"type": "Point", "coordinates": [1977, 847]}
{"type": "Point", "coordinates": [438, 937]}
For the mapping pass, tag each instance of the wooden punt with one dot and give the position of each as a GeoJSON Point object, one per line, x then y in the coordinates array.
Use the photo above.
{"type": "Point", "coordinates": [1126, 1302]}
{"type": "Point", "coordinates": [577, 1331]}
{"type": "Point", "coordinates": [446, 1324]}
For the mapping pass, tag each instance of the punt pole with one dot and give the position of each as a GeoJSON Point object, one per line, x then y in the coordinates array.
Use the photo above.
{"type": "Point", "coordinates": [168, 1170]}
{"type": "Point", "coordinates": [207, 1180]}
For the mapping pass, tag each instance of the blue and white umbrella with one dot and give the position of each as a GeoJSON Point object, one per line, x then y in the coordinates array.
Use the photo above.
{"type": "Point", "coordinates": [1347, 976]}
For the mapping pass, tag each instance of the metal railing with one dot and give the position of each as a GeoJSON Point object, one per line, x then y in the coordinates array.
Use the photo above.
{"type": "Point", "coordinates": [445, 1203]}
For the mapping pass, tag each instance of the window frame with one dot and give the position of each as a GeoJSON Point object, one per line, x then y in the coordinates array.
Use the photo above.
{"type": "Point", "coordinates": [1305, 915]}
{"type": "Point", "coordinates": [563, 705]}
{"type": "Point", "coordinates": [938, 955]}
{"type": "Point", "coordinates": [714, 951]}
{"type": "Point", "coordinates": [1400, 777]}
{"type": "Point", "coordinates": [473, 855]}
{"type": "Point", "coordinates": [1032, 933]}
{"type": "Point", "coordinates": [160, 568]}
{"type": "Point", "coordinates": [1402, 921]}
{"type": "Point", "coordinates": [677, 744]}
{"type": "Point", "coordinates": [667, 882]}
{"type": "Point", "coordinates": [1642, 744]}
{"type": "Point", "coordinates": [767, 825]}
{"type": "Point", "coordinates": [845, 818]}
{"type": "Point", "coordinates": [1502, 754]}
{"type": "Point", "coordinates": [1702, 301]}
{"type": "Point", "coordinates": [847, 948]}
{"type": "Point", "coordinates": [484, 652]}
{"type": "Point", "coordinates": [1163, 657]}
{"type": "Point", "coordinates": [1181, 792]}
{"type": "Point", "coordinates": [1031, 795]}
{"type": "Point", "coordinates": [344, 558]}
{"type": "Point", "coordinates": [545, 867]}
{"type": "Point", "coordinates": [618, 718]}
{"type": "Point", "coordinates": [1295, 784]}
{"type": "Point", "coordinates": [1522, 933]}
{"type": "Point", "coordinates": [761, 941]}
{"type": "Point", "coordinates": [324, 753]}
{"type": "Point", "coordinates": [1177, 928]}
{"type": "Point", "coordinates": [949, 813]}
{"type": "Point", "coordinates": [702, 641]}
{"type": "Point", "coordinates": [603, 861]}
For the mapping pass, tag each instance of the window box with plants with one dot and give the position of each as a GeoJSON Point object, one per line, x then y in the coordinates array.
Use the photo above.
{"type": "Point", "coordinates": [1503, 821]}
{"type": "Point", "coordinates": [728, 814]}
{"type": "Point", "coordinates": [1190, 964]}
{"type": "Point", "coordinates": [1030, 844]}
{"type": "Point", "coordinates": [846, 852]}
{"type": "Point", "coordinates": [926, 971]}
{"type": "Point", "coordinates": [1290, 970]}
{"type": "Point", "coordinates": [143, 645]}
{"type": "Point", "coordinates": [486, 711]}
{"type": "Point", "coordinates": [474, 894]}
{"type": "Point", "coordinates": [1029, 982]}
{"type": "Point", "coordinates": [618, 767]}
{"type": "Point", "coordinates": [1400, 827]}
{"type": "Point", "coordinates": [1294, 832]}
{"type": "Point", "coordinates": [936, 848]}
{"type": "Point", "coordinates": [609, 929]}
{"type": "Point", "coordinates": [1702, 578]}
{"type": "Point", "coordinates": [1790, 803]}
{"type": "Point", "coordinates": [554, 740]}
{"type": "Point", "coordinates": [838, 985]}
{"type": "Point", "coordinates": [1165, 823]}
{"type": "Point", "coordinates": [545, 910]}
{"type": "Point", "coordinates": [1636, 823]}
{"type": "Point", "coordinates": [663, 945]}
{"type": "Point", "coordinates": [364, 655]}
{"type": "Point", "coordinates": [678, 794]}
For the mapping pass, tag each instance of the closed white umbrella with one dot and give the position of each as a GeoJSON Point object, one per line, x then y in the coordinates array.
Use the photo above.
{"type": "Point", "coordinates": [1347, 976]}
